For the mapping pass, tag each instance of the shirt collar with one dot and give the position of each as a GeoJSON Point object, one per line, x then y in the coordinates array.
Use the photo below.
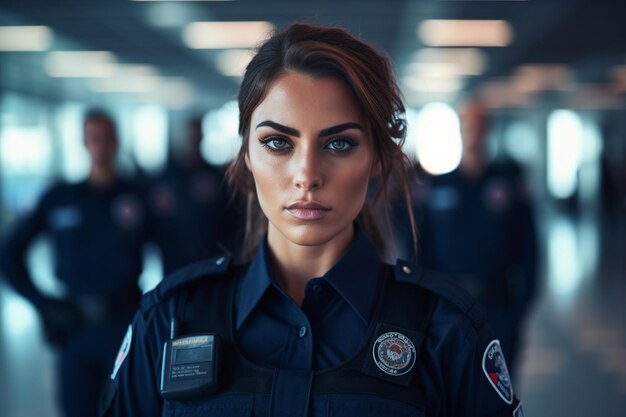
{"type": "Point", "coordinates": [254, 283]}
{"type": "Point", "coordinates": [354, 276]}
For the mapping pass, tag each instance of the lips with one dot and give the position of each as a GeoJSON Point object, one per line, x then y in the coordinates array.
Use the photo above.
{"type": "Point", "coordinates": [308, 210]}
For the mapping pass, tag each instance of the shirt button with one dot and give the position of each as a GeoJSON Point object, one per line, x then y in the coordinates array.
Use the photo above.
{"type": "Point", "coordinates": [317, 289]}
{"type": "Point", "coordinates": [220, 260]}
{"type": "Point", "coordinates": [302, 331]}
{"type": "Point", "coordinates": [406, 270]}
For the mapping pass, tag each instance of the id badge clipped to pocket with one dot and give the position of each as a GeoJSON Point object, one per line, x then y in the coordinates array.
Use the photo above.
{"type": "Point", "coordinates": [190, 367]}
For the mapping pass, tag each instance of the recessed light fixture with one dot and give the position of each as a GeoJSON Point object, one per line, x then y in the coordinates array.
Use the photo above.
{"type": "Point", "coordinates": [80, 64]}
{"type": "Point", "coordinates": [25, 38]}
{"type": "Point", "coordinates": [445, 62]}
{"type": "Point", "coordinates": [440, 32]}
{"type": "Point", "coordinates": [433, 85]}
{"type": "Point", "coordinates": [224, 35]}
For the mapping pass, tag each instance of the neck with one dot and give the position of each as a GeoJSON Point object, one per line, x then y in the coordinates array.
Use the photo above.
{"type": "Point", "coordinates": [101, 176]}
{"type": "Point", "coordinates": [294, 265]}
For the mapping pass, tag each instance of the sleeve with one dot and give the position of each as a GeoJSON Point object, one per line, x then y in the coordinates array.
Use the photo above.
{"type": "Point", "coordinates": [480, 383]}
{"type": "Point", "coordinates": [13, 249]}
{"type": "Point", "coordinates": [133, 388]}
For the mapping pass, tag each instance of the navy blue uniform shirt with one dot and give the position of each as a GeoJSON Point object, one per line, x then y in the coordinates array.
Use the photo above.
{"type": "Point", "coordinates": [190, 205]}
{"type": "Point", "coordinates": [480, 229]}
{"type": "Point", "coordinates": [329, 326]}
{"type": "Point", "coordinates": [455, 369]}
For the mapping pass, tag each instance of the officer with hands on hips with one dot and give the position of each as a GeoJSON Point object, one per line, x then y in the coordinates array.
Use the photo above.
{"type": "Point", "coordinates": [97, 228]}
{"type": "Point", "coordinates": [314, 322]}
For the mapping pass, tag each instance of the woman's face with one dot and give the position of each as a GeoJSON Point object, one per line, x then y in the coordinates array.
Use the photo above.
{"type": "Point", "coordinates": [311, 156]}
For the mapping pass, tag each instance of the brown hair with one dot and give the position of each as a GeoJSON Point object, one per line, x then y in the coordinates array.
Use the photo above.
{"type": "Point", "coordinates": [328, 52]}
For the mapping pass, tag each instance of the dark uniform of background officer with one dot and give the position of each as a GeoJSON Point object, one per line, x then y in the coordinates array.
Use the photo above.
{"type": "Point", "coordinates": [96, 228]}
{"type": "Point", "coordinates": [476, 223]}
{"type": "Point", "coordinates": [191, 207]}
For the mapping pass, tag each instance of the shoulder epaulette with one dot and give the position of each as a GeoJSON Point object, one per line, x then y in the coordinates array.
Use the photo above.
{"type": "Point", "coordinates": [444, 287]}
{"type": "Point", "coordinates": [207, 268]}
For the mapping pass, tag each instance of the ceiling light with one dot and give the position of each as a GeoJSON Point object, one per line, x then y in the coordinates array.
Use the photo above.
{"type": "Point", "coordinates": [233, 62]}
{"type": "Point", "coordinates": [503, 93]}
{"type": "Point", "coordinates": [433, 85]}
{"type": "Point", "coordinates": [25, 38]}
{"type": "Point", "coordinates": [136, 84]}
{"type": "Point", "coordinates": [465, 32]}
{"type": "Point", "coordinates": [537, 77]}
{"type": "Point", "coordinates": [80, 64]}
{"type": "Point", "coordinates": [442, 62]}
{"type": "Point", "coordinates": [223, 35]}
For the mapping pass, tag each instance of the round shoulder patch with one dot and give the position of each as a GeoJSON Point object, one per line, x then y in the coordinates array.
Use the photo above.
{"type": "Point", "coordinates": [394, 353]}
{"type": "Point", "coordinates": [123, 353]}
{"type": "Point", "coordinates": [496, 371]}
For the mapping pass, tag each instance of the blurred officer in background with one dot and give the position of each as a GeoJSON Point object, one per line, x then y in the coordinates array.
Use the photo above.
{"type": "Point", "coordinates": [190, 205]}
{"type": "Point", "coordinates": [96, 228]}
{"type": "Point", "coordinates": [476, 223]}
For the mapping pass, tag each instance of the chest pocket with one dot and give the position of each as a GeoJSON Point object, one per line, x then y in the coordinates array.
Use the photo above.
{"type": "Point", "coordinates": [231, 405]}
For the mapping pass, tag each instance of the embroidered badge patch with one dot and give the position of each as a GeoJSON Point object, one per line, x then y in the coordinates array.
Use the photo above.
{"type": "Point", "coordinates": [496, 195]}
{"type": "Point", "coordinates": [64, 218]}
{"type": "Point", "coordinates": [123, 353]}
{"type": "Point", "coordinates": [394, 353]}
{"type": "Point", "coordinates": [127, 211]}
{"type": "Point", "coordinates": [497, 372]}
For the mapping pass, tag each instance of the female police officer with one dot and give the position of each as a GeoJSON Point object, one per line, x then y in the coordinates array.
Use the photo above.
{"type": "Point", "coordinates": [316, 324]}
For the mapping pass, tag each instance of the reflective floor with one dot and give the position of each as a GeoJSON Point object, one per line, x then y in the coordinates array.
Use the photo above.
{"type": "Point", "coordinates": [574, 361]}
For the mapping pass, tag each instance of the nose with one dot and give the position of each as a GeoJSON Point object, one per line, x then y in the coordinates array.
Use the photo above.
{"type": "Point", "coordinates": [307, 176]}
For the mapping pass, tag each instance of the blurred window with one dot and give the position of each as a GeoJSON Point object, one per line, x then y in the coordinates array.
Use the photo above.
{"type": "Point", "coordinates": [437, 138]}
{"type": "Point", "coordinates": [75, 159]}
{"type": "Point", "coordinates": [565, 132]}
{"type": "Point", "coordinates": [221, 140]}
{"type": "Point", "coordinates": [521, 143]}
{"type": "Point", "coordinates": [26, 153]}
{"type": "Point", "coordinates": [150, 134]}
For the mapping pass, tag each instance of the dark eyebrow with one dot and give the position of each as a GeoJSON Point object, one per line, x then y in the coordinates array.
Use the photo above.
{"type": "Point", "coordinates": [281, 128]}
{"type": "Point", "coordinates": [333, 130]}
{"type": "Point", "coordinates": [339, 128]}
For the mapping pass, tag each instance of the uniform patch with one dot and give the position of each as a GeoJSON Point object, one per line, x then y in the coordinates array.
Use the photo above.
{"type": "Point", "coordinates": [444, 198]}
{"type": "Point", "coordinates": [394, 353]}
{"type": "Point", "coordinates": [64, 218]}
{"type": "Point", "coordinates": [123, 353]}
{"type": "Point", "coordinates": [127, 211]}
{"type": "Point", "coordinates": [496, 371]}
{"type": "Point", "coordinates": [163, 201]}
{"type": "Point", "coordinates": [518, 412]}
{"type": "Point", "coordinates": [497, 195]}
